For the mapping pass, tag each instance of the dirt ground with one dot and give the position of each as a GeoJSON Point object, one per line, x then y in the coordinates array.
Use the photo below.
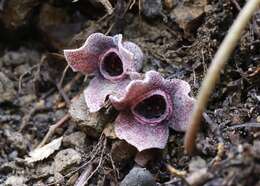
{"type": "Point", "coordinates": [179, 39]}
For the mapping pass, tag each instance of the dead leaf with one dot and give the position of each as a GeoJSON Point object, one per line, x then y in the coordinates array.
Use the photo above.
{"type": "Point", "coordinates": [45, 151]}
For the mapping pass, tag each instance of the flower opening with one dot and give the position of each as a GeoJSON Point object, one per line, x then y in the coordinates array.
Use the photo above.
{"type": "Point", "coordinates": [153, 107]}
{"type": "Point", "coordinates": [111, 65]}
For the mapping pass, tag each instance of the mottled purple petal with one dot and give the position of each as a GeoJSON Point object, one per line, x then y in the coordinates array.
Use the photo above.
{"type": "Point", "coordinates": [153, 80]}
{"type": "Point", "coordinates": [138, 54]}
{"type": "Point", "coordinates": [182, 104]}
{"type": "Point", "coordinates": [98, 90]}
{"type": "Point", "coordinates": [124, 53]}
{"type": "Point", "coordinates": [139, 135]}
{"type": "Point", "coordinates": [85, 59]}
{"type": "Point", "coordinates": [130, 53]}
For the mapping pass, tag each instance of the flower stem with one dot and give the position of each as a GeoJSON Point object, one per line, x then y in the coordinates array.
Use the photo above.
{"type": "Point", "coordinates": [221, 57]}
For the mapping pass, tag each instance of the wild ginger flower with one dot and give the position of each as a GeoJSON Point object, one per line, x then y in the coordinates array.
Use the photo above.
{"type": "Point", "coordinates": [148, 107]}
{"type": "Point", "coordinates": [110, 60]}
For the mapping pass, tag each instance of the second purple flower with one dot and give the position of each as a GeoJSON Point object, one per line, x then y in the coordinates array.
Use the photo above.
{"type": "Point", "coordinates": [149, 107]}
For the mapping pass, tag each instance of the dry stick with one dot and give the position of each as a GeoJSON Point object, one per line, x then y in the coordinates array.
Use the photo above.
{"type": "Point", "coordinates": [64, 118]}
{"type": "Point", "coordinates": [236, 4]}
{"type": "Point", "coordinates": [63, 75]}
{"type": "Point", "coordinates": [107, 5]}
{"type": "Point", "coordinates": [84, 175]}
{"type": "Point", "coordinates": [132, 4]}
{"type": "Point", "coordinates": [63, 94]}
{"type": "Point", "coordinates": [217, 64]}
{"type": "Point", "coordinates": [68, 86]}
{"type": "Point", "coordinates": [52, 129]}
{"type": "Point", "coordinates": [252, 125]}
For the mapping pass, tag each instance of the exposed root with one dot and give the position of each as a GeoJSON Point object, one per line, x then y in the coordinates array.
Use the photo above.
{"type": "Point", "coordinates": [99, 163]}
{"type": "Point", "coordinates": [116, 171]}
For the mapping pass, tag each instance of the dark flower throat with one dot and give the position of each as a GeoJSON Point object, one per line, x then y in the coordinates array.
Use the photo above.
{"type": "Point", "coordinates": [112, 64]}
{"type": "Point", "coordinates": [152, 107]}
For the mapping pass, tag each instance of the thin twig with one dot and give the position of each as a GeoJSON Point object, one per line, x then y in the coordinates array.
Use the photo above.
{"type": "Point", "coordinates": [63, 94]}
{"type": "Point", "coordinates": [132, 4]}
{"type": "Point", "coordinates": [52, 129]}
{"type": "Point", "coordinates": [109, 29]}
{"type": "Point", "coordinates": [220, 59]}
{"type": "Point", "coordinates": [68, 86]}
{"type": "Point", "coordinates": [236, 5]}
{"type": "Point", "coordinates": [252, 125]}
{"type": "Point", "coordinates": [107, 5]}
{"type": "Point", "coordinates": [84, 175]}
{"type": "Point", "coordinates": [116, 172]}
{"type": "Point", "coordinates": [63, 75]}
{"type": "Point", "coordinates": [102, 18]}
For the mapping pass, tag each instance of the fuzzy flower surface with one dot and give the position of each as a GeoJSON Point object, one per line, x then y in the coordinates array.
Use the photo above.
{"type": "Point", "coordinates": [149, 107]}
{"type": "Point", "coordinates": [110, 60]}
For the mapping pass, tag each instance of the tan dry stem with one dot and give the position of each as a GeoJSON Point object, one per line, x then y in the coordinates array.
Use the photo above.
{"type": "Point", "coordinates": [107, 5]}
{"type": "Point", "coordinates": [218, 62]}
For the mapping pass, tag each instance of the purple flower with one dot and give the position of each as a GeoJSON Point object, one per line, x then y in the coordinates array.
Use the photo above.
{"type": "Point", "coordinates": [148, 107]}
{"type": "Point", "coordinates": [110, 60]}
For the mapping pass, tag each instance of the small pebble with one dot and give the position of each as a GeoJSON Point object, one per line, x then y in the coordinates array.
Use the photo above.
{"type": "Point", "coordinates": [76, 139]}
{"type": "Point", "coordinates": [65, 159]}
{"type": "Point", "coordinates": [15, 181]}
{"type": "Point", "coordinates": [152, 8]}
{"type": "Point", "coordinates": [138, 177]}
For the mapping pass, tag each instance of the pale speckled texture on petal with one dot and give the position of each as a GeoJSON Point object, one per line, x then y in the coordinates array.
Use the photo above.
{"type": "Point", "coordinates": [98, 90]}
{"type": "Point", "coordinates": [130, 53]}
{"type": "Point", "coordinates": [182, 104]}
{"type": "Point", "coordinates": [138, 54]}
{"type": "Point", "coordinates": [124, 53]}
{"type": "Point", "coordinates": [80, 61]}
{"type": "Point", "coordinates": [85, 59]}
{"type": "Point", "coordinates": [136, 88]}
{"type": "Point", "coordinates": [139, 135]}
